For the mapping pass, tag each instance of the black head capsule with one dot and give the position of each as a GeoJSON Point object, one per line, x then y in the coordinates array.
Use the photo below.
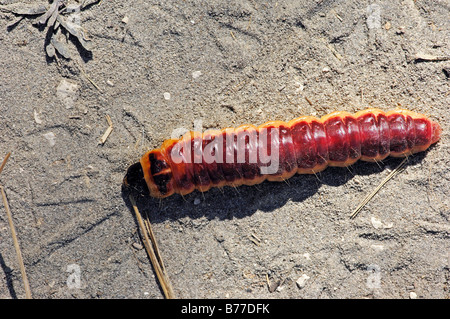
{"type": "Point", "coordinates": [134, 180]}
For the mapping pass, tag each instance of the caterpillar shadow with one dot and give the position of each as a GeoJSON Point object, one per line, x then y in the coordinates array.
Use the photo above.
{"type": "Point", "coordinates": [243, 201]}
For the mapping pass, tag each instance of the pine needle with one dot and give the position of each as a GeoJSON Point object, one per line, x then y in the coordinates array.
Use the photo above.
{"type": "Point", "coordinates": [400, 168]}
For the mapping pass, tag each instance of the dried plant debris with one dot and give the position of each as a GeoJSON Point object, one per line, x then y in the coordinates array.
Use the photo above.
{"type": "Point", "coordinates": [61, 18]}
{"type": "Point", "coordinates": [24, 9]}
{"type": "Point", "coordinates": [423, 57]}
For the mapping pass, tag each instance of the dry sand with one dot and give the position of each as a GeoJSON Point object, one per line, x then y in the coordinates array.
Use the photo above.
{"type": "Point", "coordinates": [162, 65]}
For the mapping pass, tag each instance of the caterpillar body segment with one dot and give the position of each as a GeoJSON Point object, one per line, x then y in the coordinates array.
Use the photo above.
{"type": "Point", "coordinates": [276, 150]}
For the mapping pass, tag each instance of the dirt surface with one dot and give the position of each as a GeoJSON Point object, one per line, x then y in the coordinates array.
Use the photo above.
{"type": "Point", "coordinates": [162, 65]}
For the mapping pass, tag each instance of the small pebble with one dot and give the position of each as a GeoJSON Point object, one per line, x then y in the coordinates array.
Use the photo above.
{"type": "Point", "coordinates": [299, 86]}
{"type": "Point", "coordinates": [377, 247]}
{"type": "Point", "coordinates": [137, 246]}
{"type": "Point", "coordinates": [301, 282]}
{"type": "Point", "coordinates": [274, 285]}
{"type": "Point", "coordinates": [377, 224]}
{"type": "Point", "coordinates": [279, 288]}
{"type": "Point", "coordinates": [196, 74]}
{"type": "Point", "coordinates": [401, 30]}
{"type": "Point", "coordinates": [197, 201]}
{"type": "Point", "coordinates": [166, 96]}
{"type": "Point", "coordinates": [51, 138]}
{"type": "Point", "coordinates": [110, 83]}
{"type": "Point", "coordinates": [412, 295]}
{"type": "Point", "coordinates": [125, 19]}
{"type": "Point", "coordinates": [37, 118]}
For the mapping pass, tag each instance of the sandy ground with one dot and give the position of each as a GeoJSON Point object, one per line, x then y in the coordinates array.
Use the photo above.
{"type": "Point", "coordinates": [171, 63]}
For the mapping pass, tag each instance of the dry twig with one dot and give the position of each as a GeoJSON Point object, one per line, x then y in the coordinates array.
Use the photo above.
{"type": "Point", "coordinates": [108, 130]}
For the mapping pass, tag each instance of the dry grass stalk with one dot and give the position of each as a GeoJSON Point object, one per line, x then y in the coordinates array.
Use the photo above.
{"type": "Point", "coordinates": [4, 162]}
{"type": "Point", "coordinates": [396, 171]}
{"type": "Point", "coordinates": [152, 249]}
{"type": "Point", "coordinates": [14, 235]}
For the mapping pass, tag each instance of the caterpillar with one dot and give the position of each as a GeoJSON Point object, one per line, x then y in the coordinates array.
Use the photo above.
{"type": "Point", "coordinates": [276, 150]}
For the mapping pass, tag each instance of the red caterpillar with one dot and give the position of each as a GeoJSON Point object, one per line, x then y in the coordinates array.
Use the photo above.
{"type": "Point", "coordinates": [276, 150]}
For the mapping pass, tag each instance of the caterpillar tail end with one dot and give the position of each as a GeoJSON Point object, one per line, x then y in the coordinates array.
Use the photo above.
{"type": "Point", "coordinates": [134, 180]}
{"type": "Point", "coordinates": [436, 132]}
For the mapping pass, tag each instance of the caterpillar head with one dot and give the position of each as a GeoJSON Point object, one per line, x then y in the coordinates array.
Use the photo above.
{"type": "Point", "coordinates": [134, 180]}
{"type": "Point", "coordinates": [152, 175]}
